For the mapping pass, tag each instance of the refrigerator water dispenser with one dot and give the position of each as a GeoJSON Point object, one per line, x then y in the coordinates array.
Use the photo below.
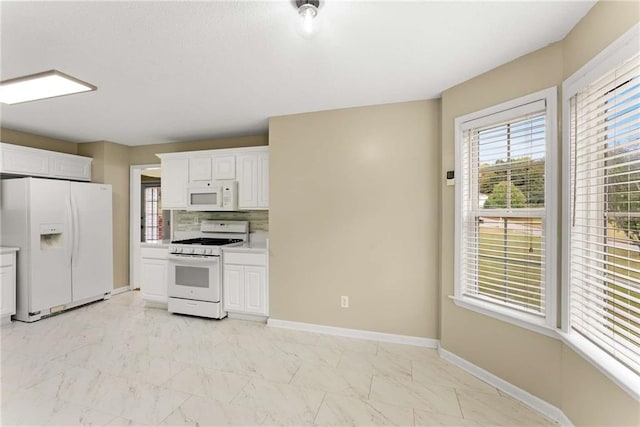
{"type": "Point", "coordinates": [51, 236]}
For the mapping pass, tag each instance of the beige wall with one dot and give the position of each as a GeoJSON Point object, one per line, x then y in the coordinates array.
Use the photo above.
{"type": "Point", "coordinates": [353, 211]}
{"type": "Point", "coordinates": [496, 346]}
{"type": "Point", "coordinates": [37, 141]}
{"type": "Point", "coordinates": [553, 371]}
{"type": "Point", "coordinates": [146, 154]}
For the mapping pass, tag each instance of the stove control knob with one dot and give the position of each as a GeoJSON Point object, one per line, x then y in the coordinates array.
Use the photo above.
{"type": "Point", "coordinates": [187, 251]}
{"type": "Point", "coordinates": [198, 251]}
{"type": "Point", "coordinates": [178, 250]}
{"type": "Point", "coordinates": [208, 251]}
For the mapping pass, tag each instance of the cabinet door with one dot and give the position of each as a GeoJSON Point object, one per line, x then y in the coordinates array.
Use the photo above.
{"type": "Point", "coordinates": [200, 169]}
{"type": "Point", "coordinates": [233, 288]}
{"type": "Point", "coordinates": [25, 162]}
{"type": "Point", "coordinates": [255, 290]}
{"type": "Point", "coordinates": [71, 167]}
{"type": "Point", "coordinates": [175, 174]}
{"type": "Point", "coordinates": [8, 290]}
{"type": "Point", "coordinates": [154, 279]}
{"type": "Point", "coordinates": [247, 180]}
{"type": "Point", "coordinates": [263, 180]}
{"type": "Point", "coordinates": [224, 167]}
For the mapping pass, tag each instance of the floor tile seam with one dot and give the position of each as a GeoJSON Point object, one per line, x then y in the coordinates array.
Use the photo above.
{"type": "Point", "coordinates": [372, 402]}
{"type": "Point", "coordinates": [239, 392]}
{"type": "Point", "coordinates": [459, 403]}
{"type": "Point", "coordinates": [171, 413]}
{"type": "Point", "coordinates": [446, 384]}
{"type": "Point", "coordinates": [295, 373]}
{"type": "Point", "coordinates": [413, 407]}
{"type": "Point", "coordinates": [354, 395]}
{"type": "Point", "coordinates": [277, 342]}
{"type": "Point", "coordinates": [324, 395]}
{"type": "Point", "coordinates": [42, 380]}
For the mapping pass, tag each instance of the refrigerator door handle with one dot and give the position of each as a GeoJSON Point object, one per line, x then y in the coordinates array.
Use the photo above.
{"type": "Point", "coordinates": [76, 226]}
{"type": "Point", "coordinates": [70, 233]}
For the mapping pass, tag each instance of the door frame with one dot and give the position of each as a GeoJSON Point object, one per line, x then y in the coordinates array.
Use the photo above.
{"type": "Point", "coordinates": [135, 205]}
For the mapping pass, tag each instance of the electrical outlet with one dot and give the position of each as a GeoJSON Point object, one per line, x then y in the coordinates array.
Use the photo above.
{"type": "Point", "coordinates": [344, 301]}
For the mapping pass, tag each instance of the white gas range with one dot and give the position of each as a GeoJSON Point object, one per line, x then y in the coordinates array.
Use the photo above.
{"type": "Point", "coordinates": [195, 268]}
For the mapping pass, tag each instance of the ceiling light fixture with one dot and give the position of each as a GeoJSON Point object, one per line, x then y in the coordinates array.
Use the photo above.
{"type": "Point", "coordinates": [308, 11]}
{"type": "Point", "coordinates": [48, 84]}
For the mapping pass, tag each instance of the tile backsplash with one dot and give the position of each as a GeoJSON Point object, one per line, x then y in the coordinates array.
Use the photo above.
{"type": "Point", "coordinates": [188, 221]}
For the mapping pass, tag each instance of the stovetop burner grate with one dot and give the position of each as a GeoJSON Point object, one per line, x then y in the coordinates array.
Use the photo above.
{"type": "Point", "coordinates": [207, 241]}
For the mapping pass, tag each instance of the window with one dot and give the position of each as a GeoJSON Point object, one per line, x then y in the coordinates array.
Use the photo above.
{"type": "Point", "coordinates": [604, 229]}
{"type": "Point", "coordinates": [152, 213]}
{"type": "Point", "coordinates": [505, 223]}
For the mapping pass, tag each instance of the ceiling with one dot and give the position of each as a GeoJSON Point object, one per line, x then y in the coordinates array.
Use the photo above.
{"type": "Point", "coordinates": [178, 71]}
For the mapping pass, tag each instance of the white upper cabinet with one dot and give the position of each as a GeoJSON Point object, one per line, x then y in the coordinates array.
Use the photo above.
{"type": "Point", "coordinates": [253, 179]}
{"type": "Point", "coordinates": [200, 169]}
{"type": "Point", "coordinates": [224, 166]}
{"type": "Point", "coordinates": [249, 166]}
{"type": "Point", "coordinates": [263, 179]}
{"type": "Point", "coordinates": [27, 161]}
{"type": "Point", "coordinates": [247, 180]}
{"type": "Point", "coordinates": [66, 167]}
{"type": "Point", "coordinates": [175, 177]}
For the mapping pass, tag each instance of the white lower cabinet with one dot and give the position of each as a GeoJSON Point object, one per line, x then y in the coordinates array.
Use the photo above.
{"type": "Point", "coordinates": [153, 274]}
{"type": "Point", "coordinates": [245, 285]}
{"type": "Point", "coordinates": [233, 288]}
{"type": "Point", "coordinates": [7, 285]}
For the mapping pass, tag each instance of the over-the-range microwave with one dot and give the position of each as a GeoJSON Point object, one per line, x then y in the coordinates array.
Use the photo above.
{"type": "Point", "coordinates": [216, 196]}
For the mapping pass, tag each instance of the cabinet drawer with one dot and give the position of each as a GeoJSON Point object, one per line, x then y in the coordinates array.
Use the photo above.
{"type": "Point", "coordinates": [245, 258]}
{"type": "Point", "coordinates": [195, 308]}
{"type": "Point", "coordinates": [157, 253]}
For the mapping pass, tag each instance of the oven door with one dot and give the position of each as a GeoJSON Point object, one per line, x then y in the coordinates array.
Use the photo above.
{"type": "Point", "coordinates": [195, 277]}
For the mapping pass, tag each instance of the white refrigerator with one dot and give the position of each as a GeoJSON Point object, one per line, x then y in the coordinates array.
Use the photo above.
{"type": "Point", "coordinates": [64, 232]}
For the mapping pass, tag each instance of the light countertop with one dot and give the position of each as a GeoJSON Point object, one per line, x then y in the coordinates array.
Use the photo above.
{"type": "Point", "coordinates": [255, 247]}
{"type": "Point", "coordinates": [155, 244]}
{"type": "Point", "coordinates": [8, 249]}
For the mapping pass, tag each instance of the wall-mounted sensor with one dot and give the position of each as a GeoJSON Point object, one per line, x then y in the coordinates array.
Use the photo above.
{"type": "Point", "coordinates": [451, 178]}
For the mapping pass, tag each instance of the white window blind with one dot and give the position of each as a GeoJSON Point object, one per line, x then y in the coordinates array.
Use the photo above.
{"type": "Point", "coordinates": [604, 277]}
{"type": "Point", "coordinates": [502, 242]}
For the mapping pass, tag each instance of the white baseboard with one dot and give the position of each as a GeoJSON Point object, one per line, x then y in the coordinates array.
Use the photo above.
{"type": "Point", "coordinates": [244, 316]}
{"type": "Point", "coordinates": [525, 397]}
{"type": "Point", "coordinates": [120, 290]}
{"type": "Point", "coordinates": [354, 333]}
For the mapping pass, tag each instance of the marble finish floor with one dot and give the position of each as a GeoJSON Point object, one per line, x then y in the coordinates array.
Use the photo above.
{"type": "Point", "coordinates": [118, 362]}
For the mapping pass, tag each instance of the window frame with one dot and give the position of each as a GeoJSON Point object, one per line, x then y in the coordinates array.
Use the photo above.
{"type": "Point", "coordinates": [145, 185]}
{"type": "Point", "coordinates": [612, 56]}
{"type": "Point", "coordinates": [546, 324]}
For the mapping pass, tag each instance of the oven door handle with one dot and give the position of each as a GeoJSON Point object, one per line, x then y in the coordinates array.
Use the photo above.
{"type": "Point", "coordinates": [193, 259]}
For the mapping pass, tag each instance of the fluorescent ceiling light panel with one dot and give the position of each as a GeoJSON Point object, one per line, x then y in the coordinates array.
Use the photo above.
{"type": "Point", "coordinates": [41, 86]}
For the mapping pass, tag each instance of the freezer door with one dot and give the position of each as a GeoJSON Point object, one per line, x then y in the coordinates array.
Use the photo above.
{"type": "Point", "coordinates": [50, 237]}
{"type": "Point", "coordinates": [92, 254]}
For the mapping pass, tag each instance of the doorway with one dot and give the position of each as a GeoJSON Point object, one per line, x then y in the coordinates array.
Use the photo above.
{"type": "Point", "coordinates": [148, 221]}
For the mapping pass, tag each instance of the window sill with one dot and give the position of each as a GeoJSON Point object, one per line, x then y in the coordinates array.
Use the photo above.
{"type": "Point", "coordinates": [507, 315]}
{"type": "Point", "coordinates": [624, 377]}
